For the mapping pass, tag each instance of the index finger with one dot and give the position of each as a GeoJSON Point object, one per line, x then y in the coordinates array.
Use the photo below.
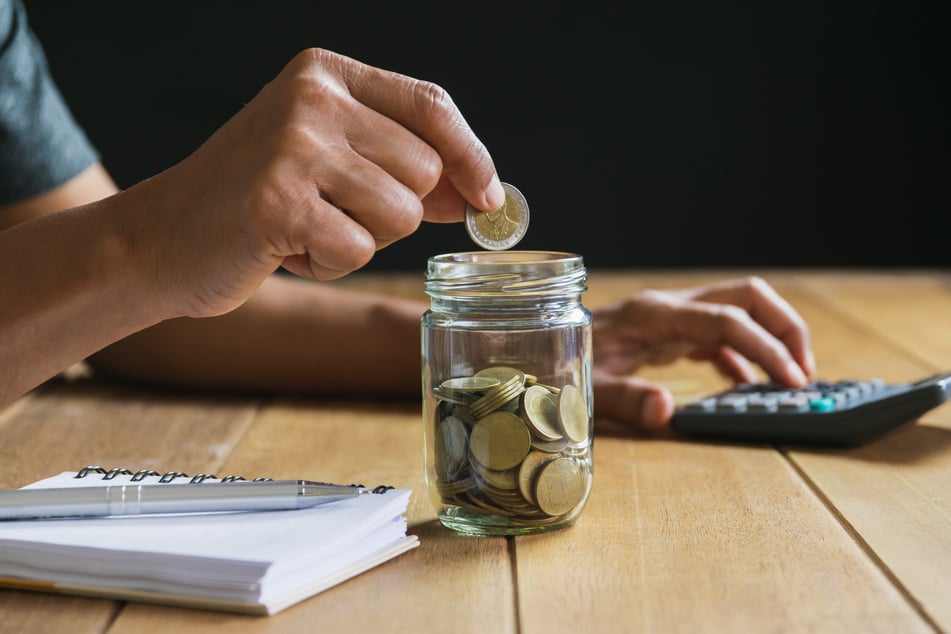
{"type": "Point", "coordinates": [427, 110]}
{"type": "Point", "coordinates": [769, 309]}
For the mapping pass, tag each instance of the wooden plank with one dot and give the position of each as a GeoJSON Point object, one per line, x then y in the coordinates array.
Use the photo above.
{"type": "Point", "coordinates": [49, 613]}
{"type": "Point", "coordinates": [678, 536]}
{"type": "Point", "coordinates": [685, 537]}
{"type": "Point", "coordinates": [682, 536]}
{"type": "Point", "coordinates": [71, 426]}
{"type": "Point", "coordinates": [895, 493]}
{"type": "Point", "coordinates": [909, 309]}
{"type": "Point", "coordinates": [449, 583]}
{"type": "Point", "coordinates": [67, 426]}
{"type": "Point", "coordinates": [689, 379]}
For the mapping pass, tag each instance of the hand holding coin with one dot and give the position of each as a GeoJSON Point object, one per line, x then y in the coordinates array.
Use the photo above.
{"type": "Point", "coordinates": [500, 229]}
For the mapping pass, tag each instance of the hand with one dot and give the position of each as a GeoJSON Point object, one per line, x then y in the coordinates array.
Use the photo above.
{"type": "Point", "coordinates": [733, 324]}
{"type": "Point", "coordinates": [331, 161]}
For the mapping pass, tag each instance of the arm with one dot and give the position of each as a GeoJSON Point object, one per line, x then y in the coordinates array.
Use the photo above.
{"type": "Point", "coordinates": [202, 239]}
{"type": "Point", "coordinates": [297, 335]}
{"type": "Point", "coordinates": [311, 338]}
{"type": "Point", "coordinates": [331, 161]}
{"type": "Point", "coordinates": [69, 286]}
{"type": "Point", "coordinates": [292, 335]}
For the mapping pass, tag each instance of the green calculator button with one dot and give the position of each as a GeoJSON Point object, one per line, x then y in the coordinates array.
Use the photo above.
{"type": "Point", "coordinates": [822, 405]}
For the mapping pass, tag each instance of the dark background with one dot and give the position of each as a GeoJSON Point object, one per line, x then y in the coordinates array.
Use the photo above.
{"type": "Point", "coordinates": [667, 134]}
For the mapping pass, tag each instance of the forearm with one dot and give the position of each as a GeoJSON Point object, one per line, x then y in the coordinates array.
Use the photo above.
{"type": "Point", "coordinates": [70, 286]}
{"type": "Point", "coordinates": [292, 335]}
{"type": "Point", "coordinates": [331, 161]}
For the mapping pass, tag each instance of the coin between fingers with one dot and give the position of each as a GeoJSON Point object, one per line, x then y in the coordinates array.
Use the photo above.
{"type": "Point", "coordinates": [503, 228]}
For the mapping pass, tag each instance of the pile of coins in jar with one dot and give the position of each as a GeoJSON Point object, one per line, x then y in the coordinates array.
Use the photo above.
{"type": "Point", "coordinates": [506, 445]}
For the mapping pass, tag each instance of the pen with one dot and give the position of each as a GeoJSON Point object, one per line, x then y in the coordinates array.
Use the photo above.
{"type": "Point", "coordinates": [138, 499]}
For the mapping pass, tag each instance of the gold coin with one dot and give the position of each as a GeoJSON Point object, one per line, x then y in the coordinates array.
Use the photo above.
{"type": "Point", "coordinates": [512, 406]}
{"type": "Point", "coordinates": [502, 373]}
{"type": "Point", "coordinates": [500, 441]}
{"type": "Point", "coordinates": [502, 228]}
{"type": "Point", "coordinates": [464, 413]}
{"type": "Point", "coordinates": [540, 411]}
{"type": "Point", "coordinates": [456, 398]}
{"type": "Point", "coordinates": [484, 505]}
{"type": "Point", "coordinates": [451, 448]}
{"type": "Point", "coordinates": [528, 470]}
{"type": "Point", "coordinates": [495, 402]}
{"type": "Point", "coordinates": [560, 486]}
{"type": "Point", "coordinates": [550, 446]}
{"type": "Point", "coordinates": [573, 413]}
{"type": "Point", "coordinates": [505, 480]}
{"type": "Point", "coordinates": [498, 396]}
{"type": "Point", "coordinates": [449, 489]}
{"type": "Point", "coordinates": [469, 384]}
{"type": "Point", "coordinates": [512, 502]}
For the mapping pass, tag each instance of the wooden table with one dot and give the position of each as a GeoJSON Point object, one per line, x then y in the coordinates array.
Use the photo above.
{"type": "Point", "coordinates": [677, 537]}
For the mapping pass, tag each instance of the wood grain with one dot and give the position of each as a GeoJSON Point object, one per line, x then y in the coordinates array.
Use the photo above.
{"type": "Point", "coordinates": [677, 536]}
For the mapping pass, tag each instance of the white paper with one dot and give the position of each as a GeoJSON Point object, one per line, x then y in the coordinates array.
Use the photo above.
{"type": "Point", "coordinates": [236, 556]}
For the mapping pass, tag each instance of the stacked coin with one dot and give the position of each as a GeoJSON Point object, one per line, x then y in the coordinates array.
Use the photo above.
{"type": "Point", "coordinates": [504, 444]}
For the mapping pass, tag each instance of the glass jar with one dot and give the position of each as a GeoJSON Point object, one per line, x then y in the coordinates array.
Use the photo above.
{"type": "Point", "coordinates": [507, 402]}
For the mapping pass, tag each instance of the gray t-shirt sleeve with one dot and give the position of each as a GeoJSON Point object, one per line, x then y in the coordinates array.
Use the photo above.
{"type": "Point", "coordinates": [41, 145]}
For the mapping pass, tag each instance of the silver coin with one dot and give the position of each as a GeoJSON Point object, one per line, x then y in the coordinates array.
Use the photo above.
{"type": "Point", "coordinates": [500, 229]}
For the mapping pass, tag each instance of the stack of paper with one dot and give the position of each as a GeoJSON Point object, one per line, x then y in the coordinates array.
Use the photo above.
{"type": "Point", "coordinates": [260, 562]}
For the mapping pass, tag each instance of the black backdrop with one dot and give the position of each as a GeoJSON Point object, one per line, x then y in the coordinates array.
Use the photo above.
{"type": "Point", "coordinates": [664, 134]}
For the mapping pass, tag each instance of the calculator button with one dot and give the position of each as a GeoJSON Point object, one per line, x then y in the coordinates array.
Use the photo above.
{"type": "Point", "coordinates": [822, 405]}
{"type": "Point", "coordinates": [840, 398]}
{"type": "Point", "coordinates": [852, 392]}
{"type": "Point", "coordinates": [762, 402]}
{"type": "Point", "coordinates": [732, 402]}
{"type": "Point", "coordinates": [793, 403]}
{"type": "Point", "coordinates": [703, 405]}
{"type": "Point", "coordinates": [866, 388]}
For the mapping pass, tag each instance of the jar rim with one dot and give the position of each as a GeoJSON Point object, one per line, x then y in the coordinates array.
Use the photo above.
{"type": "Point", "coordinates": [504, 257]}
{"type": "Point", "coordinates": [514, 274]}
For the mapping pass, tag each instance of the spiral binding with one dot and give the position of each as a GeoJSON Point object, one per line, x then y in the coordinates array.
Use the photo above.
{"type": "Point", "coordinates": [198, 478]}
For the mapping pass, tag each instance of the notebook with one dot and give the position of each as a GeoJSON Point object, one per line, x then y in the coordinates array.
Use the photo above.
{"type": "Point", "coordinates": [253, 562]}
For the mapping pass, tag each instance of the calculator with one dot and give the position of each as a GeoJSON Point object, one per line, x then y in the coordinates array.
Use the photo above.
{"type": "Point", "coordinates": [844, 413]}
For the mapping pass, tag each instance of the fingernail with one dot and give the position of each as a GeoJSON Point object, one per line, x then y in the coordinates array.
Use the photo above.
{"type": "Point", "coordinates": [810, 362]}
{"type": "Point", "coordinates": [796, 374]}
{"type": "Point", "coordinates": [495, 195]}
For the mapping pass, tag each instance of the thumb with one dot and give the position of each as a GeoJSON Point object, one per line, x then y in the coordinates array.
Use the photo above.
{"type": "Point", "coordinates": [632, 401]}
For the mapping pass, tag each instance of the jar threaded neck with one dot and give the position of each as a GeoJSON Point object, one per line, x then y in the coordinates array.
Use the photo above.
{"type": "Point", "coordinates": [506, 276]}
